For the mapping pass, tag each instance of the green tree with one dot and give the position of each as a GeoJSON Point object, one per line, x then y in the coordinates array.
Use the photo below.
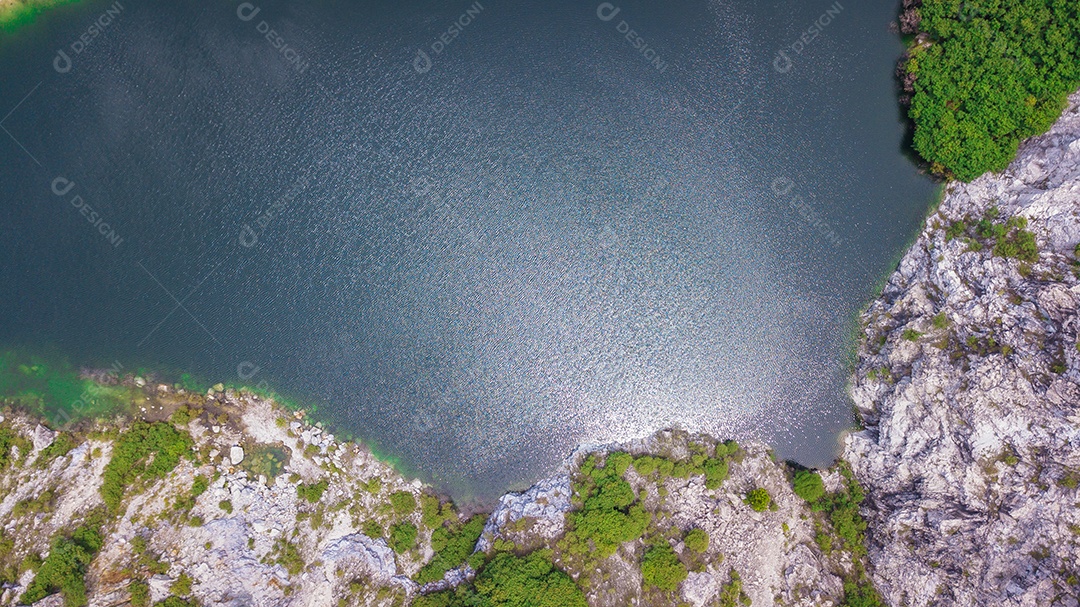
{"type": "Point", "coordinates": [990, 74]}
{"type": "Point", "coordinates": [660, 567]}
{"type": "Point", "coordinates": [808, 485]}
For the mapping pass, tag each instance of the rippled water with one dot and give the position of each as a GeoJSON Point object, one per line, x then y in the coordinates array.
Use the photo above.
{"type": "Point", "coordinates": [544, 233]}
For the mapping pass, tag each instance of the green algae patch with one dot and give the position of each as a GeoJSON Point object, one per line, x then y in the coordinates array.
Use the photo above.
{"type": "Point", "coordinates": [14, 13]}
{"type": "Point", "coordinates": [265, 460]}
{"type": "Point", "coordinates": [57, 392]}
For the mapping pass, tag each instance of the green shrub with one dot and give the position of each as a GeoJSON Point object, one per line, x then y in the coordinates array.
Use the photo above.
{"type": "Point", "coordinates": [732, 595]}
{"type": "Point", "coordinates": [941, 321]}
{"type": "Point", "coordinates": [64, 570]}
{"type": "Point", "coordinates": [182, 416]}
{"type": "Point", "coordinates": [226, 505]}
{"type": "Point", "coordinates": [61, 446]}
{"type": "Point", "coordinates": [312, 492]}
{"type": "Point", "coordinates": [861, 595]}
{"type": "Point", "coordinates": [287, 554]}
{"type": "Point", "coordinates": [528, 581]}
{"type": "Point", "coordinates": [911, 335]}
{"type": "Point", "coordinates": [808, 485]}
{"type": "Point", "coordinates": [645, 465]}
{"type": "Point", "coordinates": [182, 585]}
{"type": "Point", "coordinates": [697, 540]}
{"type": "Point", "coordinates": [617, 462]}
{"type": "Point", "coordinates": [608, 517]}
{"type": "Point", "coordinates": [758, 499]}
{"type": "Point", "coordinates": [994, 73]}
{"type": "Point", "coordinates": [199, 486]}
{"type": "Point", "coordinates": [451, 549]}
{"type": "Point", "coordinates": [403, 502]}
{"type": "Point", "coordinates": [402, 536]}
{"type": "Point", "coordinates": [147, 451]}
{"type": "Point", "coordinates": [660, 567]}
{"type": "Point", "coordinates": [430, 511]}
{"type": "Point", "coordinates": [140, 593]}
{"type": "Point", "coordinates": [716, 472]}
{"type": "Point", "coordinates": [8, 440]}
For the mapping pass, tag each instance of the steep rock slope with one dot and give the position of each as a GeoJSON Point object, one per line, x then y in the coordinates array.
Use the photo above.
{"type": "Point", "coordinates": [969, 384]}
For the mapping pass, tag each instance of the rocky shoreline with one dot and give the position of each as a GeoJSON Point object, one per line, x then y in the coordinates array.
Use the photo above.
{"type": "Point", "coordinates": [271, 510]}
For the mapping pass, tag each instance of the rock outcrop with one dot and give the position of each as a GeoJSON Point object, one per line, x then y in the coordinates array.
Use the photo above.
{"type": "Point", "coordinates": [969, 385]}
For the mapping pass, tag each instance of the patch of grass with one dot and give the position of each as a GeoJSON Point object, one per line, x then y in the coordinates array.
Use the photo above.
{"type": "Point", "coordinates": [226, 505]}
{"type": "Point", "coordinates": [373, 529]}
{"type": "Point", "coordinates": [287, 554]}
{"type": "Point", "coordinates": [9, 441]}
{"type": "Point", "coordinates": [182, 586]}
{"type": "Point", "coordinates": [911, 335]}
{"type": "Point", "coordinates": [312, 492]}
{"type": "Point", "coordinates": [61, 446]}
{"type": "Point", "coordinates": [941, 321]}
{"type": "Point", "coordinates": [140, 593]}
{"type": "Point", "coordinates": [199, 486]}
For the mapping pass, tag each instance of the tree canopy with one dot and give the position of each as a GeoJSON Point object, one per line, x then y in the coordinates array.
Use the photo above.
{"type": "Point", "coordinates": [988, 74]}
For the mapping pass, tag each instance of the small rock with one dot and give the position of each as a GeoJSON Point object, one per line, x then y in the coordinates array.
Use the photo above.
{"type": "Point", "coordinates": [43, 437]}
{"type": "Point", "coordinates": [236, 454]}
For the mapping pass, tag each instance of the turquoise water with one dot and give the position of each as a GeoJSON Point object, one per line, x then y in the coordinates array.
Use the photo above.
{"type": "Point", "coordinates": [475, 235]}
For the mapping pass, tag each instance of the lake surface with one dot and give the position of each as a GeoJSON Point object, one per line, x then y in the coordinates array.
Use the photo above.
{"type": "Point", "coordinates": [542, 230]}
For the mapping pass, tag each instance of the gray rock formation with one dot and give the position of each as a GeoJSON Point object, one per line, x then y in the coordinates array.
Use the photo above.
{"type": "Point", "coordinates": [969, 382]}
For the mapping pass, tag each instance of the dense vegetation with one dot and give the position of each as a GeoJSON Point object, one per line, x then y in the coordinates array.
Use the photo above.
{"type": "Point", "coordinates": [609, 512]}
{"type": "Point", "coordinates": [9, 440]}
{"type": "Point", "coordinates": [64, 569]}
{"type": "Point", "coordinates": [986, 74]}
{"type": "Point", "coordinates": [402, 536]}
{"type": "Point", "coordinates": [841, 511]}
{"type": "Point", "coordinates": [452, 545]}
{"type": "Point", "coordinates": [146, 450]}
{"type": "Point", "coordinates": [509, 580]}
